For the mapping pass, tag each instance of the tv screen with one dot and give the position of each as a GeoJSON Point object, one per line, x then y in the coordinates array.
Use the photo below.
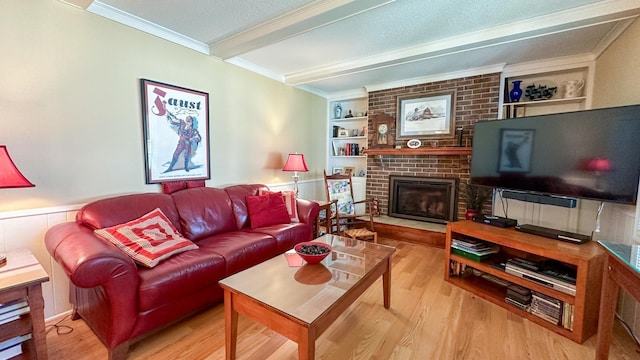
{"type": "Point", "coordinates": [592, 154]}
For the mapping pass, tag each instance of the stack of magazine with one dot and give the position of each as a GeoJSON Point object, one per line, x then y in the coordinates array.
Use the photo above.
{"type": "Point", "coordinates": [473, 249]}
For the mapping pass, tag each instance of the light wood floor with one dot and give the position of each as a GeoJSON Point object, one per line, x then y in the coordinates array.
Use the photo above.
{"type": "Point", "coordinates": [428, 319]}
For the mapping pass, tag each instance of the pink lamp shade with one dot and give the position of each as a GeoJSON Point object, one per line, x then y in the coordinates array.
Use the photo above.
{"type": "Point", "coordinates": [10, 176]}
{"type": "Point", "coordinates": [599, 165]}
{"type": "Point", "coordinates": [295, 162]}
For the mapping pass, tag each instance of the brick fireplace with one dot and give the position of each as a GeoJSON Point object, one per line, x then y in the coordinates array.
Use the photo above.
{"type": "Point", "coordinates": [477, 98]}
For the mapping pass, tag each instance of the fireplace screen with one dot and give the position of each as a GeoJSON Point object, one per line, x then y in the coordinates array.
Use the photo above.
{"type": "Point", "coordinates": [428, 199]}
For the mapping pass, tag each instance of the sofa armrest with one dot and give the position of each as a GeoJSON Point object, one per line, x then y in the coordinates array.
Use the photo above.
{"type": "Point", "coordinates": [307, 211]}
{"type": "Point", "coordinates": [91, 262]}
{"type": "Point", "coordinates": [88, 260]}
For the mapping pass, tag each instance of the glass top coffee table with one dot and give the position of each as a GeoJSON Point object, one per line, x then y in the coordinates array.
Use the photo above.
{"type": "Point", "coordinates": [300, 301]}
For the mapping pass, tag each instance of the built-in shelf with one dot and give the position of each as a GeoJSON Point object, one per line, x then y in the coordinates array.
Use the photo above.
{"type": "Point", "coordinates": [421, 151]}
{"type": "Point", "coordinates": [355, 118]}
{"type": "Point", "coordinates": [547, 102]}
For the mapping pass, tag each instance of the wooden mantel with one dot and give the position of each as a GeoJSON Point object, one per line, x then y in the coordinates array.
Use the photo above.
{"type": "Point", "coordinates": [421, 151]}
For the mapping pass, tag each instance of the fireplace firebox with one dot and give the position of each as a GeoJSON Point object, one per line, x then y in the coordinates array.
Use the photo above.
{"type": "Point", "coordinates": [429, 199]}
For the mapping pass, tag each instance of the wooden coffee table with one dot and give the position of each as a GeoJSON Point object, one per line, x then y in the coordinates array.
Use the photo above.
{"type": "Point", "coordinates": [301, 302]}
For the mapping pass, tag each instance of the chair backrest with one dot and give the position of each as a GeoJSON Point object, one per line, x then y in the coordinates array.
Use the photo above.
{"type": "Point", "coordinates": [339, 187]}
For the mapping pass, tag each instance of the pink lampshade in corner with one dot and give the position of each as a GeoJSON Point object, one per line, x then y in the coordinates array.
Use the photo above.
{"type": "Point", "coordinates": [10, 176]}
{"type": "Point", "coordinates": [599, 165]}
{"type": "Point", "coordinates": [295, 162]}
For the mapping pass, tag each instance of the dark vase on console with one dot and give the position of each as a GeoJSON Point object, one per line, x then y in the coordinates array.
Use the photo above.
{"type": "Point", "coordinates": [516, 92]}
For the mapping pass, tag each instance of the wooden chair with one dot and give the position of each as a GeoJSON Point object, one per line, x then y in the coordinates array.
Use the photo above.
{"type": "Point", "coordinates": [340, 188]}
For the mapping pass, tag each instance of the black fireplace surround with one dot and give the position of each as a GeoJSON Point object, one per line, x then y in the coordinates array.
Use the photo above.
{"type": "Point", "coordinates": [429, 199]}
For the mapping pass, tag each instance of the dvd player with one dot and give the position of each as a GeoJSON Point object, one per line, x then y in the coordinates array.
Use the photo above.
{"type": "Point", "coordinates": [567, 236]}
{"type": "Point", "coordinates": [498, 221]}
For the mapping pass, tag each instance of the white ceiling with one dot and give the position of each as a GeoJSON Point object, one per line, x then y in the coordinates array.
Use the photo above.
{"type": "Point", "coordinates": [332, 47]}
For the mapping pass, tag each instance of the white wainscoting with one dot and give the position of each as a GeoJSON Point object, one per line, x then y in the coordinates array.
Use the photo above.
{"type": "Point", "coordinates": [26, 229]}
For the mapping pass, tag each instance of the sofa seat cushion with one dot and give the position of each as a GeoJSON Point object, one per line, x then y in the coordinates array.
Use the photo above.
{"type": "Point", "coordinates": [241, 249]}
{"type": "Point", "coordinates": [287, 235]}
{"type": "Point", "coordinates": [179, 276]}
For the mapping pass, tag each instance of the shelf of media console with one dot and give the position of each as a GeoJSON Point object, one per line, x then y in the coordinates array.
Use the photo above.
{"type": "Point", "coordinates": [530, 284]}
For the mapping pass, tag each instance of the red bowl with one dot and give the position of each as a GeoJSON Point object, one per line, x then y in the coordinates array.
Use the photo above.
{"type": "Point", "coordinates": [312, 259]}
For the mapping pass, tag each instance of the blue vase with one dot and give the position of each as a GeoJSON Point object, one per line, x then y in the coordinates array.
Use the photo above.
{"type": "Point", "coordinates": [516, 92]}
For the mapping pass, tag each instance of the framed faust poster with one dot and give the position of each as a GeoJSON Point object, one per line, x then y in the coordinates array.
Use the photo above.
{"type": "Point", "coordinates": [516, 146]}
{"type": "Point", "coordinates": [176, 132]}
{"type": "Point", "coordinates": [423, 115]}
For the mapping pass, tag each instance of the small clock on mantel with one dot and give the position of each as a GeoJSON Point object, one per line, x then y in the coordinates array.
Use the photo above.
{"type": "Point", "coordinates": [382, 137]}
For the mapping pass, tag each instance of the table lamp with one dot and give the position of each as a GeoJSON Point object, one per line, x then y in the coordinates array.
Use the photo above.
{"type": "Point", "coordinates": [10, 176]}
{"type": "Point", "coordinates": [295, 163]}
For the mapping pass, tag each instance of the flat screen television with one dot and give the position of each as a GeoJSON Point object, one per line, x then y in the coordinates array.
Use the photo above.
{"type": "Point", "coordinates": [590, 154]}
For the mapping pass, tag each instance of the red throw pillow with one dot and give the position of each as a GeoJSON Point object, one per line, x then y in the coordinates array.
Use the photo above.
{"type": "Point", "coordinates": [268, 209]}
{"type": "Point", "coordinates": [148, 239]}
{"type": "Point", "coordinates": [289, 198]}
{"type": "Point", "coordinates": [173, 186]}
{"type": "Point", "coordinates": [195, 184]}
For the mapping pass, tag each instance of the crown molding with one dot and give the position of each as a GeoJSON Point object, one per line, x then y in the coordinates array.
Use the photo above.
{"type": "Point", "coordinates": [248, 65]}
{"type": "Point", "coordinates": [135, 22]}
{"type": "Point", "coordinates": [496, 68]}
{"type": "Point", "coordinates": [348, 94]}
{"type": "Point", "coordinates": [562, 21]}
{"type": "Point", "coordinates": [549, 65]}
{"type": "Point", "coordinates": [617, 30]}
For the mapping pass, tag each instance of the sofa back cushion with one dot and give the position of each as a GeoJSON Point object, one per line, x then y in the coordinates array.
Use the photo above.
{"type": "Point", "coordinates": [121, 209]}
{"type": "Point", "coordinates": [238, 195]}
{"type": "Point", "coordinates": [204, 212]}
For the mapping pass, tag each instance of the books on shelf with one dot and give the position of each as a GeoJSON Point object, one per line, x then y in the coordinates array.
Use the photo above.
{"type": "Point", "coordinates": [477, 253]}
{"type": "Point", "coordinates": [457, 268]}
{"type": "Point", "coordinates": [345, 149]}
{"type": "Point", "coordinates": [12, 347]}
{"type": "Point", "coordinates": [12, 311]}
{"type": "Point", "coordinates": [471, 244]}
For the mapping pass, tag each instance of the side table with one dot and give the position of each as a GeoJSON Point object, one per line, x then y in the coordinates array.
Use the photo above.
{"type": "Point", "coordinates": [326, 221]}
{"type": "Point", "coordinates": [621, 270]}
{"type": "Point", "coordinates": [21, 279]}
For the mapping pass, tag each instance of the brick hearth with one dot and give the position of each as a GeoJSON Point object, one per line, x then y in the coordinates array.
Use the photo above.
{"type": "Point", "coordinates": [477, 98]}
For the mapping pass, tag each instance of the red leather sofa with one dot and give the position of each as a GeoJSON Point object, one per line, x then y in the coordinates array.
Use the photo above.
{"type": "Point", "coordinates": [123, 302]}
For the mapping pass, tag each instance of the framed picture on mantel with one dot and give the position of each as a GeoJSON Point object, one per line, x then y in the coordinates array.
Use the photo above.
{"type": "Point", "coordinates": [421, 115]}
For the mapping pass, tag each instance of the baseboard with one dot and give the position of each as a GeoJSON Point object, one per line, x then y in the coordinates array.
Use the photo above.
{"type": "Point", "coordinates": [409, 234]}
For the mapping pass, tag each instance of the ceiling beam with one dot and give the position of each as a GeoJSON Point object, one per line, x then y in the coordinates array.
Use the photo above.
{"type": "Point", "coordinates": [306, 18]}
{"type": "Point", "coordinates": [589, 15]}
